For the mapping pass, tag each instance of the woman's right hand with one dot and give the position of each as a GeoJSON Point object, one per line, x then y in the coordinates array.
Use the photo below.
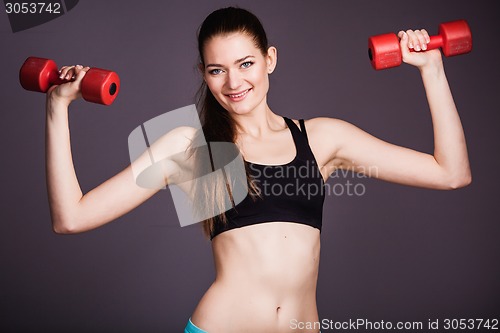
{"type": "Point", "coordinates": [71, 90]}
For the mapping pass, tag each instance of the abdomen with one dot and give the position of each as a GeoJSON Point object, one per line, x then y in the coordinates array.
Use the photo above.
{"type": "Point", "coordinates": [266, 277]}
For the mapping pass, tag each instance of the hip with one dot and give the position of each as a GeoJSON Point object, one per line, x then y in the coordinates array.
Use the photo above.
{"type": "Point", "coordinates": [225, 308]}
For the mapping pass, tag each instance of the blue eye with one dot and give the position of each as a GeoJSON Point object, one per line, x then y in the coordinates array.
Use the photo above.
{"type": "Point", "coordinates": [215, 71]}
{"type": "Point", "coordinates": [247, 64]}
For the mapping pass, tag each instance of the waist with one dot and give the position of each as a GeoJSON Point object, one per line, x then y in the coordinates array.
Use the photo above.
{"type": "Point", "coordinates": [266, 276]}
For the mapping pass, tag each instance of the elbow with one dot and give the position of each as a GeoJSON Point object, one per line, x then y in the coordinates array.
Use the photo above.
{"type": "Point", "coordinates": [63, 227]}
{"type": "Point", "coordinates": [62, 230]}
{"type": "Point", "coordinates": [65, 221]}
{"type": "Point", "coordinates": [459, 182]}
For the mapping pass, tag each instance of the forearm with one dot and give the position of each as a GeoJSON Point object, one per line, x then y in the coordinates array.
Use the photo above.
{"type": "Point", "coordinates": [450, 149]}
{"type": "Point", "coordinates": [64, 191]}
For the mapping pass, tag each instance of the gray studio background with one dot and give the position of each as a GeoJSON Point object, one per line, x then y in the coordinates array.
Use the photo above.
{"type": "Point", "coordinates": [396, 253]}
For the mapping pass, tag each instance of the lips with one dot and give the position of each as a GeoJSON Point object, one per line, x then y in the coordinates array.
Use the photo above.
{"type": "Point", "coordinates": [238, 95]}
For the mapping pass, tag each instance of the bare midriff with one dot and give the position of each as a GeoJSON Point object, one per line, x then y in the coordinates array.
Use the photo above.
{"type": "Point", "coordinates": [266, 277]}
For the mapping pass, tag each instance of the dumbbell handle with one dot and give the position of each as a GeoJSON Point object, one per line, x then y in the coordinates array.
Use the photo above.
{"type": "Point", "coordinates": [98, 85]}
{"type": "Point", "coordinates": [53, 79]}
{"type": "Point", "coordinates": [435, 43]}
{"type": "Point", "coordinates": [454, 49]}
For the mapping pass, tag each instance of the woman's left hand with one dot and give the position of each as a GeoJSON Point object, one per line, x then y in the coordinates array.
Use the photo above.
{"type": "Point", "coordinates": [417, 40]}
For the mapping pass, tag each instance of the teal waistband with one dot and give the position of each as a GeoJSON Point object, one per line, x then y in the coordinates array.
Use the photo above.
{"type": "Point", "coordinates": [192, 328]}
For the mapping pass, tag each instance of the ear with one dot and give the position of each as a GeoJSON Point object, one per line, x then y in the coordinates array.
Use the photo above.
{"type": "Point", "coordinates": [271, 59]}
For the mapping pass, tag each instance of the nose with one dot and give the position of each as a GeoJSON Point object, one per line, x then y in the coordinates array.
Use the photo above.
{"type": "Point", "coordinates": [234, 80]}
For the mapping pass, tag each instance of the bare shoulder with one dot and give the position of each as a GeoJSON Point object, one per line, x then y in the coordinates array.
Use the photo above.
{"type": "Point", "coordinates": [326, 136]}
{"type": "Point", "coordinates": [177, 138]}
{"type": "Point", "coordinates": [325, 128]}
{"type": "Point", "coordinates": [322, 128]}
{"type": "Point", "coordinates": [165, 159]}
{"type": "Point", "coordinates": [174, 144]}
{"type": "Point", "coordinates": [324, 124]}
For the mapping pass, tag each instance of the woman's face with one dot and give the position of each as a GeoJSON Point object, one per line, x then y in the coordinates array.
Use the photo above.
{"type": "Point", "coordinates": [236, 72]}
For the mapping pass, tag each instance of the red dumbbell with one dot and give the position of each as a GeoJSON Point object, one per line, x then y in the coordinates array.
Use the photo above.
{"type": "Point", "coordinates": [454, 38]}
{"type": "Point", "coordinates": [98, 85]}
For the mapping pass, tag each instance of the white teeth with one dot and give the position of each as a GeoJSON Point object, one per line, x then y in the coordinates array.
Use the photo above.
{"type": "Point", "coordinates": [238, 95]}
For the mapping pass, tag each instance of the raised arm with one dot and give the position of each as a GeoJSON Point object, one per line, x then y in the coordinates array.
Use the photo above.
{"type": "Point", "coordinates": [349, 147]}
{"type": "Point", "coordinates": [70, 209]}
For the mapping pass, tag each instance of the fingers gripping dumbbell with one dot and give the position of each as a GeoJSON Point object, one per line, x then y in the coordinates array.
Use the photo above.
{"type": "Point", "coordinates": [98, 85]}
{"type": "Point", "coordinates": [454, 38]}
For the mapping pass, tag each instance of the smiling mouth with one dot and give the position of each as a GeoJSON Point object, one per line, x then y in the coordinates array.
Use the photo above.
{"type": "Point", "coordinates": [238, 95]}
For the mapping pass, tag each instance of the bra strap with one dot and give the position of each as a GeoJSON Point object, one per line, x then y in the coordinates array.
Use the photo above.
{"type": "Point", "coordinates": [295, 129]}
{"type": "Point", "coordinates": [299, 139]}
{"type": "Point", "coordinates": [303, 128]}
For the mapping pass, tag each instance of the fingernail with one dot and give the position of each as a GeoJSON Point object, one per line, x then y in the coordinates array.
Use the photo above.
{"type": "Point", "coordinates": [424, 46]}
{"type": "Point", "coordinates": [67, 77]}
{"type": "Point", "coordinates": [410, 45]}
{"type": "Point", "coordinates": [78, 66]}
{"type": "Point", "coordinates": [417, 48]}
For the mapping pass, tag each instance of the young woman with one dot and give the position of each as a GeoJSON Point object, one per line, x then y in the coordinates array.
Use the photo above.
{"type": "Point", "coordinates": [266, 249]}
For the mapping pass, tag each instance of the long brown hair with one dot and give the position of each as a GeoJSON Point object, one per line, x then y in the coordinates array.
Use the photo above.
{"type": "Point", "coordinates": [217, 123]}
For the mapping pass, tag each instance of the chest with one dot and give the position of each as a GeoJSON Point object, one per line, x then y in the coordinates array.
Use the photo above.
{"type": "Point", "coordinates": [276, 149]}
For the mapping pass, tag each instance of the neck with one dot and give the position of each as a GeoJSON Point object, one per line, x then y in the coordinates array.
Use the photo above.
{"type": "Point", "coordinates": [258, 123]}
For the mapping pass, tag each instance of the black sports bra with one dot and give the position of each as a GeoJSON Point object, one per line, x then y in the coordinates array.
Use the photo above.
{"type": "Point", "coordinates": [291, 192]}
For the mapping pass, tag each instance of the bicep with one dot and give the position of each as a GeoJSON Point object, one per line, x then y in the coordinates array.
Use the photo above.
{"type": "Point", "coordinates": [364, 153]}
{"type": "Point", "coordinates": [145, 176]}
{"type": "Point", "coordinates": [113, 198]}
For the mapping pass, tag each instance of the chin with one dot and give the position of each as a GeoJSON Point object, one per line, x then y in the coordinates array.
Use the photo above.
{"type": "Point", "coordinates": [242, 107]}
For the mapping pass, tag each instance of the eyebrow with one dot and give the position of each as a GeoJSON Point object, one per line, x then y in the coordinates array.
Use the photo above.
{"type": "Point", "coordinates": [236, 62]}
